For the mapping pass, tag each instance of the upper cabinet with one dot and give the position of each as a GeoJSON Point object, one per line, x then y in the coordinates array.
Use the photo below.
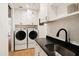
{"type": "Point", "coordinates": [25, 17]}
{"type": "Point", "coordinates": [51, 12]}
{"type": "Point", "coordinates": [24, 13]}
{"type": "Point", "coordinates": [59, 11]}
{"type": "Point", "coordinates": [43, 12]}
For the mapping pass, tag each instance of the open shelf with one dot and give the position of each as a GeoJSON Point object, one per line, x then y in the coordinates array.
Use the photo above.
{"type": "Point", "coordinates": [71, 15]}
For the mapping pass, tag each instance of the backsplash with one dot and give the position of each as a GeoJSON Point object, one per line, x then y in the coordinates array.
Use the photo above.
{"type": "Point", "coordinates": [71, 25]}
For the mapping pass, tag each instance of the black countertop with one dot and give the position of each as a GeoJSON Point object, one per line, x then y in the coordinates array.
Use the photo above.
{"type": "Point", "coordinates": [42, 42]}
{"type": "Point", "coordinates": [50, 40]}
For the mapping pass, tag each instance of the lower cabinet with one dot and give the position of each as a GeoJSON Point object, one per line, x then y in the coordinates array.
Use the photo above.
{"type": "Point", "coordinates": [42, 53]}
{"type": "Point", "coordinates": [33, 50]}
{"type": "Point", "coordinates": [39, 51]}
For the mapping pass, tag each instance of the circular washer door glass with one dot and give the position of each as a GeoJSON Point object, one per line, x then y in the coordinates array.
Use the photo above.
{"type": "Point", "coordinates": [33, 35]}
{"type": "Point", "coordinates": [20, 35]}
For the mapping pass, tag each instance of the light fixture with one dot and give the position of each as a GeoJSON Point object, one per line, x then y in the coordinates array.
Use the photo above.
{"type": "Point", "coordinates": [27, 6]}
{"type": "Point", "coordinates": [20, 7]}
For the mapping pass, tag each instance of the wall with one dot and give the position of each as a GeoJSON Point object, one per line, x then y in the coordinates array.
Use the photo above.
{"type": "Point", "coordinates": [3, 29]}
{"type": "Point", "coordinates": [42, 31]}
{"type": "Point", "coordinates": [71, 25]}
{"type": "Point", "coordinates": [24, 17]}
{"type": "Point", "coordinates": [42, 15]}
{"type": "Point", "coordinates": [29, 17]}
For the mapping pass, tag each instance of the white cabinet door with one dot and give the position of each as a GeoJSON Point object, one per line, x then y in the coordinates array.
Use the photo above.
{"type": "Point", "coordinates": [17, 17]}
{"type": "Point", "coordinates": [43, 12]}
{"type": "Point", "coordinates": [55, 11]}
{"type": "Point", "coordinates": [42, 53]}
{"type": "Point", "coordinates": [39, 51]}
{"type": "Point", "coordinates": [52, 12]}
{"type": "Point", "coordinates": [35, 45]}
{"type": "Point", "coordinates": [25, 17]}
{"type": "Point", "coordinates": [61, 10]}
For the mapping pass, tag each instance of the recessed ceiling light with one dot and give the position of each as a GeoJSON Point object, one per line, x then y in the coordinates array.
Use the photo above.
{"type": "Point", "coordinates": [20, 7]}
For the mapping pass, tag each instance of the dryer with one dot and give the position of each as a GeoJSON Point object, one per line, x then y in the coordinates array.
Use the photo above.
{"type": "Point", "coordinates": [20, 41]}
{"type": "Point", "coordinates": [25, 38]}
{"type": "Point", "coordinates": [32, 36]}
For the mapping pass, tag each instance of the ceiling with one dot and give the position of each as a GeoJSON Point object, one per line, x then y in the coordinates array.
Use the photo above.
{"type": "Point", "coordinates": [58, 4]}
{"type": "Point", "coordinates": [33, 6]}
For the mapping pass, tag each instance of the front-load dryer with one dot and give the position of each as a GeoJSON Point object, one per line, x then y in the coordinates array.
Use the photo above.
{"type": "Point", "coordinates": [32, 36]}
{"type": "Point", "coordinates": [20, 41]}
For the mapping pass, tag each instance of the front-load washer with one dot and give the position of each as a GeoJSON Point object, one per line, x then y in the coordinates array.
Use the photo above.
{"type": "Point", "coordinates": [20, 41]}
{"type": "Point", "coordinates": [32, 36]}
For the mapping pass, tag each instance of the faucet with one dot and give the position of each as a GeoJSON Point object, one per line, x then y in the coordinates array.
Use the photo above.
{"type": "Point", "coordinates": [65, 34]}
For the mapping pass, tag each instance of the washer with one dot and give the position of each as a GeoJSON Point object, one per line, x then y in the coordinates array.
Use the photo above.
{"type": "Point", "coordinates": [20, 41]}
{"type": "Point", "coordinates": [32, 36]}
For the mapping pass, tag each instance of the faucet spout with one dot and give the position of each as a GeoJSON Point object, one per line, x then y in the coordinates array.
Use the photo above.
{"type": "Point", "coordinates": [65, 34]}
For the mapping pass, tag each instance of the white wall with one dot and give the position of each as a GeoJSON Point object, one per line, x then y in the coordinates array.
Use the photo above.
{"type": "Point", "coordinates": [42, 31]}
{"type": "Point", "coordinates": [24, 17]}
{"type": "Point", "coordinates": [71, 25]}
{"type": "Point", "coordinates": [42, 14]}
{"type": "Point", "coordinates": [3, 29]}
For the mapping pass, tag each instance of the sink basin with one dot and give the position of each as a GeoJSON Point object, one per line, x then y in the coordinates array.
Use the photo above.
{"type": "Point", "coordinates": [50, 47]}
{"type": "Point", "coordinates": [60, 49]}
{"type": "Point", "coordinates": [63, 51]}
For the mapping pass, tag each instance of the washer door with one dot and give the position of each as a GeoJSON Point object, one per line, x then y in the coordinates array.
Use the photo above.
{"type": "Point", "coordinates": [20, 35]}
{"type": "Point", "coordinates": [33, 35]}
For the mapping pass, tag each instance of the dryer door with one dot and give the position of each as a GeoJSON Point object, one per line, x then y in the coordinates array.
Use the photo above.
{"type": "Point", "coordinates": [33, 35]}
{"type": "Point", "coordinates": [20, 35]}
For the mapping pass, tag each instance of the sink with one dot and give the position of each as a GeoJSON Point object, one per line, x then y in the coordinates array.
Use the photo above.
{"type": "Point", "coordinates": [63, 51]}
{"type": "Point", "coordinates": [52, 48]}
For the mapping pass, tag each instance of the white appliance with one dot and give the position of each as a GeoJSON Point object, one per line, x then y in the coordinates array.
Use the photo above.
{"type": "Point", "coordinates": [25, 38]}
{"type": "Point", "coordinates": [32, 35]}
{"type": "Point", "coordinates": [20, 41]}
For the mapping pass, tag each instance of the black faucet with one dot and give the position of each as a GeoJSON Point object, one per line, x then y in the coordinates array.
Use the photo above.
{"type": "Point", "coordinates": [65, 34]}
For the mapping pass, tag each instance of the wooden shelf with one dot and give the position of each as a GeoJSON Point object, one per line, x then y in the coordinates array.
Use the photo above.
{"type": "Point", "coordinates": [25, 26]}
{"type": "Point", "coordinates": [71, 15]}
